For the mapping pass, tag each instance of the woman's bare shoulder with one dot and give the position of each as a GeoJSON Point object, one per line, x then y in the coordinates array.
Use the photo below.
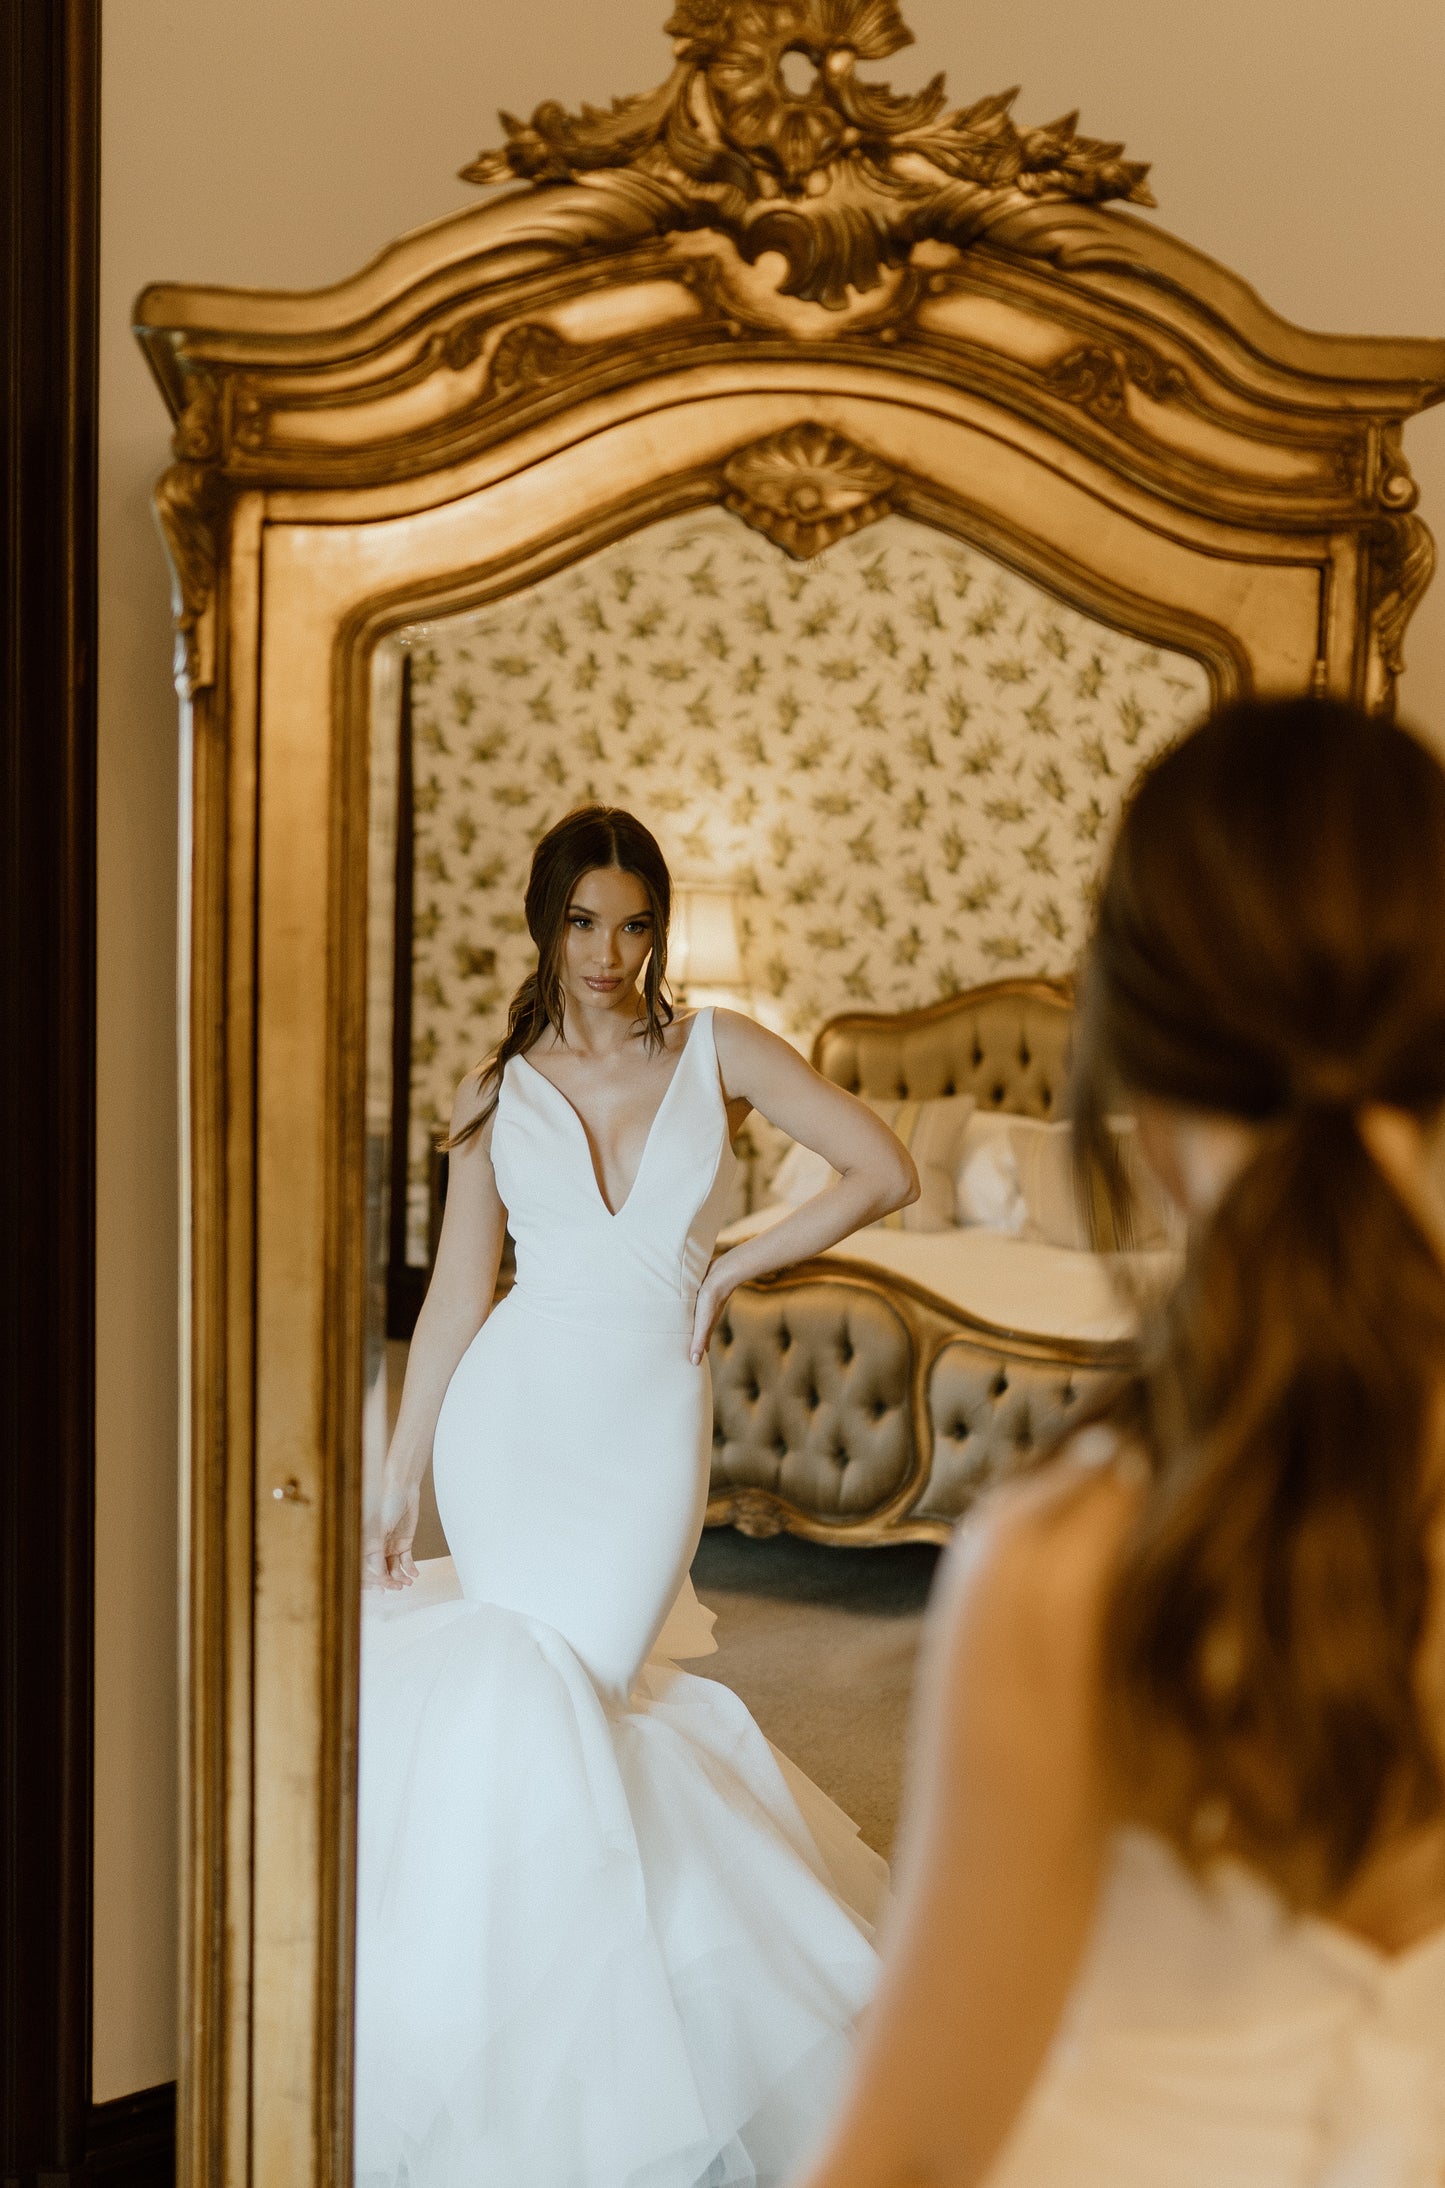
{"type": "Point", "coordinates": [1044, 1549]}
{"type": "Point", "coordinates": [747, 1051]}
{"type": "Point", "coordinates": [476, 1096]}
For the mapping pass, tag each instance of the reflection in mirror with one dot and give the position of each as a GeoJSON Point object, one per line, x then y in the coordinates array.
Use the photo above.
{"type": "Point", "coordinates": [903, 756]}
{"type": "Point", "coordinates": [604, 1930]}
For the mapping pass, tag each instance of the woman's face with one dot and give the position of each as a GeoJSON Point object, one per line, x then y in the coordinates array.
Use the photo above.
{"type": "Point", "coordinates": [607, 941]}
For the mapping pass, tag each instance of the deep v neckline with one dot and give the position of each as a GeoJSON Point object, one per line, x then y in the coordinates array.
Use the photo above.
{"type": "Point", "coordinates": [613, 1215]}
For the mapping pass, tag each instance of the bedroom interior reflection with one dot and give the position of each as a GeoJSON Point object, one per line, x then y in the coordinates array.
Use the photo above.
{"type": "Point", "coordinates": [882, 777]}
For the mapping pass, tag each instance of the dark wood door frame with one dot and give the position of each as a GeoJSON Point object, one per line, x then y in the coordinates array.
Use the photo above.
{"type": "Point", "coordinates": [49, 197]}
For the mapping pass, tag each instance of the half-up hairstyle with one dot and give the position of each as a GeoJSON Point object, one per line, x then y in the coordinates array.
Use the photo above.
{"type": "Point", "coordinates": [594, 836]}
{"type": "Point", "coordinates": [1270, 947]}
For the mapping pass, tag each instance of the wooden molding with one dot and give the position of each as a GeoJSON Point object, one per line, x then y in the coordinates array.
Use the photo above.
{"type": "Point", "coordinates": [131, 2141]}
{"type": "Point", "coordinates": [49, 59]}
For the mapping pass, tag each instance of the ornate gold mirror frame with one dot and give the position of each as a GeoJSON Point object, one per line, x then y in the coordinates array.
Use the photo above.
{"type": "Point", "coordinates": [811, 308]}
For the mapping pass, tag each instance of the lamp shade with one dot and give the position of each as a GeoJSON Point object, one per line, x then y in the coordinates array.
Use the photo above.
{"type": "Point", "coordinates": [703, 949]}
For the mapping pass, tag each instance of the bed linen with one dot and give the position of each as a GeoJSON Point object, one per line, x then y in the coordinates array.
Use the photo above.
{"type": "Point", "coordinates": [1015, 1284]}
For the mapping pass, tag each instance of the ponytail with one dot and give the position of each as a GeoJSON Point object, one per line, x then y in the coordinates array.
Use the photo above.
{"type": "Point", "coordinates": [1267, 950]}
{"type": "Point", "coordinates": [1272, 1605]}
{"type": "Point", "coordinates": [527, 1021]}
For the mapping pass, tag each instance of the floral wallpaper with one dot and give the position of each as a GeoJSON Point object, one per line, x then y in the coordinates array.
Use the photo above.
{"type": "Point", "coordinates": [905, 756]}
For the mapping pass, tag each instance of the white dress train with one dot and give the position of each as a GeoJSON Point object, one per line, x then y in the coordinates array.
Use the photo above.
{"type": "Point", "coordinates": [606, 1936]}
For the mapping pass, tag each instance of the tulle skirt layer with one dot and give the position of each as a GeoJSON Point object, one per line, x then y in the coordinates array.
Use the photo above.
{"type": "Point", "coordinates": [599, 1946]}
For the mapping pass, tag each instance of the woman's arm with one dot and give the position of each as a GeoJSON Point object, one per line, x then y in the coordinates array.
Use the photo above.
{"type": "Point", "coordinates": [458, 1301]}
{"type": "Point", "coordinates": [875, 1170]}
{"type": "Point", "coordinates": [1006, 1833]}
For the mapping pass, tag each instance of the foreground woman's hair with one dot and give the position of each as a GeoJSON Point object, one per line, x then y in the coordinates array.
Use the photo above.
{"type": "Point", "coordinates": [594, 836]}
{"type": "Point", "coordinates": [1270, 946]}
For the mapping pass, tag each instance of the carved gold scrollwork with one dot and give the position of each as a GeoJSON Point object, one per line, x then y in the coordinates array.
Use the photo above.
{"type": "Point", "coordinates": [842, 177]}
{"type": "Point", "coordinates": [190, 503]}
{"type": "Point", "coordinates": [1099, 378]}
{"type": "Point", "coordinates": [753, 1512]}
{"type": "Point", "coordinates": [525, 357]}
{"type": "Point", "coordinates": [249, 420]}
{"type": "Point", "coordinates": [198, 436]}
{"type": "Point", "coordinates": [806, 488]}
{"type": "Point", "coordinates": [1401, 567]}
{"type": "Point", "coordinates": [1348, 463]}
{"type": "Point", "coordinates": [1395, 488]}
{"type": "Point", "coordinates": [191, 510]}
{"type": "Point", "coordinates": [463, 344]}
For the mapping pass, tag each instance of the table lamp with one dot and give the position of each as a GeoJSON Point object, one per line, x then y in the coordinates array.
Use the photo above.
{"type": "Point", "coordinates": [704, 957]}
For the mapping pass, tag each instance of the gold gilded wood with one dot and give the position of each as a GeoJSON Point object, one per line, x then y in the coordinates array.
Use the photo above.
{"type": "Point", "coordinates": [806, 488]}
{"type": "Point", "coordinates": [840, 179]}
{"type": "Point", "coordinates": [742, 300]}
{"type": "Point", "coordinates": [930, 1324]}
{"type": "Point", "coordinates": [1047, 997]}
{"type": "Point", "coordinates": [1403, 565]}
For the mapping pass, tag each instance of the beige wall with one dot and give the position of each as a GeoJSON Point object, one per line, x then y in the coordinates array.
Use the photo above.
{"type": "Point", "coordinates": [281, 142]}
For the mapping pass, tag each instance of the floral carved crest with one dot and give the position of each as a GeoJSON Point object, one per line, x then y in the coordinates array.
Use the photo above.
{"type": "Point", "coordinates": [842, 176]}
{"type": "Point", "coordinates": [806, 488]}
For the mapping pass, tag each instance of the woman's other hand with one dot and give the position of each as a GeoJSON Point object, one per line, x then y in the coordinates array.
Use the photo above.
{"type": "Point", "coordinates": [388, 1562]}
{"type": "Point", "coordinates": [458, 1300]}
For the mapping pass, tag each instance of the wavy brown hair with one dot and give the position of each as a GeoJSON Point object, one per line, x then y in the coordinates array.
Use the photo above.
{"type": "Point", "coordinates": [1270, 946]}
{"type": "Point", "coordinates": [594, 836]}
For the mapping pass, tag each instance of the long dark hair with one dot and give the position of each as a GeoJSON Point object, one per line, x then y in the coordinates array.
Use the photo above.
{"type": "Point", "coordinates": [1270, 946]}
{"type": "Point", "coordinates": [594, 836]}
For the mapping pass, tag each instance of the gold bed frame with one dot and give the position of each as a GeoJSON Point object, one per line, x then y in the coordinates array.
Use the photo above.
{"type": "Point", "coordinates": [1006, 1043]}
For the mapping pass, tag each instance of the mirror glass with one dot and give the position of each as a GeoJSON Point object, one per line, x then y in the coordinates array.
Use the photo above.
{"type": "Point", "coordinates": [880, 778]}
{"type": "Point", "coordinates": [901, 757]}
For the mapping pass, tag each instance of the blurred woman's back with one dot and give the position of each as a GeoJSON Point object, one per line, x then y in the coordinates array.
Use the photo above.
{"type": "Point", "coordinates": [1175, 1910]}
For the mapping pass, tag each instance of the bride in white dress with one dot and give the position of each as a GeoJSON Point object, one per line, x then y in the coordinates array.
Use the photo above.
{"type": "Point", "coordinates": [606, 1936]}
{"type": "Point", "coordinates": [1172, 1909]}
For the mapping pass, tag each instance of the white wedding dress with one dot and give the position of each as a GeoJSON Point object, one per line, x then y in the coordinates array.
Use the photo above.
{"type": "Point", "coordinates": [606, 1936]}
{"type": "Point", "coordinates": [1215, 2040]}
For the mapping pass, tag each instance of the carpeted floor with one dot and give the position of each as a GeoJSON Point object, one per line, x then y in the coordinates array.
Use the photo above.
{"type": "Point", "coordinates": [820, 1643]}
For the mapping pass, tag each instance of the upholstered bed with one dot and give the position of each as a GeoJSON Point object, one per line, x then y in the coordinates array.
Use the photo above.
{"type": "Point", "coordinates": [867, 1395]}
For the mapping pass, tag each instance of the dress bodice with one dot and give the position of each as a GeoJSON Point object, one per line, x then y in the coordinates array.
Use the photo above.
{"type": "Point", "coordinates": [1214, 2036]}
{"type": "Point", "coordinates": [577, 1260]}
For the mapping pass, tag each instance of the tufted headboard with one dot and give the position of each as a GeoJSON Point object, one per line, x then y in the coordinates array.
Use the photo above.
{"type": "Point", "coordinates": [1006, 1043]}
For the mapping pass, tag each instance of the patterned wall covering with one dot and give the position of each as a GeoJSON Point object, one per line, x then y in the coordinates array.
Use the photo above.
{"type": "Point", "coordinates": [907, 756]}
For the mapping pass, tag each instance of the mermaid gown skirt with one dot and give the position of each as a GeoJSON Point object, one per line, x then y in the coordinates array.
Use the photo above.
{"type": "Point", "coordinates": [606, 1936]}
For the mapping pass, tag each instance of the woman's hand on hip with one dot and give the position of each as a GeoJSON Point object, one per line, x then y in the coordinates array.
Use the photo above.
{"type": "Point", "coordinates": [713, 1294]}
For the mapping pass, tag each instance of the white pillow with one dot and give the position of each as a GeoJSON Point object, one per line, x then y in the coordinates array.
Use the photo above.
{"type": "Point", "coordinates": [1018, 1177]}
{"type": "Point", "coordinates": [988, 1196]}
{"type": "Point", "coordinates": [986, 1182]}
{"type": "Point", "coordinates": [932, 1131]}
{"type": "Point", "coordinates": [801, 1174]}
{"type": "Point", "coordinates": [1044, 1158]}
